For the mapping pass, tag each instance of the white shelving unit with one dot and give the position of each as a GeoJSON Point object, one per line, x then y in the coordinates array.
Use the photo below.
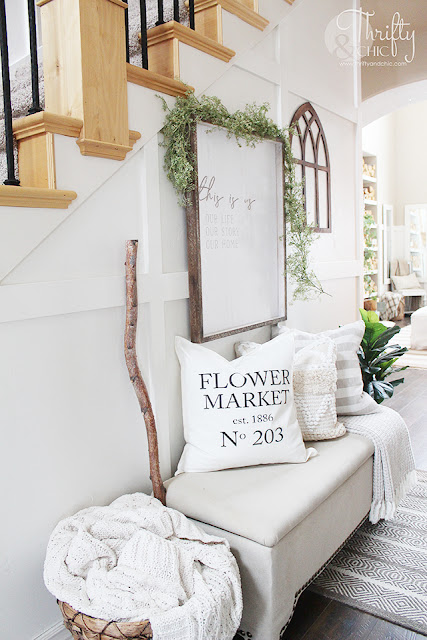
{"type": "Point", "coordinates": [373, 268]}
{"type": "Point", "coordinates": [387, 241]}
{"type": "Point", "coordinates": [416, 238]}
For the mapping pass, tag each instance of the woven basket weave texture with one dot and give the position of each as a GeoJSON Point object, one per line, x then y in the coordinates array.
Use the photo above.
{"type": "Point", "coordinates": [84, 627]}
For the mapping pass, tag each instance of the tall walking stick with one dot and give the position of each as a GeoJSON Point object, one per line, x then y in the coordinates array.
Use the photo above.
{"type": "Point", "coordinates": [135, 373]}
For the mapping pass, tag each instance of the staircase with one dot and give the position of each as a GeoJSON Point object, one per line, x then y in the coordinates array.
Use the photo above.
{"type": "Point", "coordinates": [99, 118]}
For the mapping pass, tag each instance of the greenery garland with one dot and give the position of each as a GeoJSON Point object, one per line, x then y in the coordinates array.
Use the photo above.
{"type": "Point", "coordinates": [249, 125]}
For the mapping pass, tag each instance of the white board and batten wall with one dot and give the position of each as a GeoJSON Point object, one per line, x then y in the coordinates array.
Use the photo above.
{"type": "Point", "coordinates": [72, 430]}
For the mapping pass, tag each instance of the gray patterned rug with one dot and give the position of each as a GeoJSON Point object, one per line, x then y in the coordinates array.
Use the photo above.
{"type": "Point", "coordinates": [383, 568]}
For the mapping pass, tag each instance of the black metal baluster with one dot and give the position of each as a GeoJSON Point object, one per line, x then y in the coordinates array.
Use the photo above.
{"type": "Point", "coordinates": [144, 52]}
{"type": "Point", "coordinates": [191, 9]}
{"type": "Point", "coordinates": [176, 10]}
{"type": "Point", "coordinates": [127, 30]}
{"type": "Point", "coordinates": [160, 12]}
{"type": "Point", "coordinates": [6, 98]}
{"type": "Point", "coordinates": [34, 59]}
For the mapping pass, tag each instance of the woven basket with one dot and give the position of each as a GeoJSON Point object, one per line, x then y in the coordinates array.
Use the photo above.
{"type": "Point", "coordinates": [84, 627]}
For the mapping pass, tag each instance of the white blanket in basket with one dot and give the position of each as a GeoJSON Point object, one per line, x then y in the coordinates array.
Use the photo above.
{"type": "Point", "coordinates": [136, 560]}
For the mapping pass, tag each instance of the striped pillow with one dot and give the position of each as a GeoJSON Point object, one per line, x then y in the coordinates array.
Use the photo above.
{"type": "Point", "coordinates": [350, 398]}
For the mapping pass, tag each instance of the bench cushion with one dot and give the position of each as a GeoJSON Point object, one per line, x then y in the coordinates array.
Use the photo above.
{"type": "Point", "coordinates": [264, 503]}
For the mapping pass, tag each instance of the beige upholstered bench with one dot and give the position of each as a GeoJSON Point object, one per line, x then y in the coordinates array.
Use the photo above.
{"type": "Point", "coordinates": [283, 522]}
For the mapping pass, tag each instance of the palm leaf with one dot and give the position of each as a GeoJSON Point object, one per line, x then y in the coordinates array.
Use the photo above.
{"type": "Point", "coordinates": [395, 383]}
{"type": "Point", "coordinates": [377, 357]}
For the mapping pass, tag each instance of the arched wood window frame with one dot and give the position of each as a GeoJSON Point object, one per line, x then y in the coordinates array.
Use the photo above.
{"type": "Point", "coordinates": [303, 120]}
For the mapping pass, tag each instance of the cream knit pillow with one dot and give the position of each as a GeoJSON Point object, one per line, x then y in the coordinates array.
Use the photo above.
{"type": "Point", "coordinates": [315, 383]}
{"type": "Point", "coordinates": [350, 398]}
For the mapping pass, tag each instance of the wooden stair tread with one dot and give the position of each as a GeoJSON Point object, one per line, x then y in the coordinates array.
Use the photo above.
{"type": "Point", "coordinates": [35, 198]}
{"type": "Point", "coordinates": [46, 122]}
{"type": "Point", "coordinates": [175, 30]}
{"type": "Point", "coordinates": [237, 8]}
{"type": "Point", "coordinates": [156, 81]}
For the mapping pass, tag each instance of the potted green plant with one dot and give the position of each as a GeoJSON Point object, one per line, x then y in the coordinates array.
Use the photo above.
{"type": "Point", "coordinates": [377, 357]}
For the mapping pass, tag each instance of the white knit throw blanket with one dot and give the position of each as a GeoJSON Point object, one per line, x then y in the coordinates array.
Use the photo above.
{"type": "Point", "coordinates": [139, 560]}
{"type": "Point", "coordinates": [394, 467]}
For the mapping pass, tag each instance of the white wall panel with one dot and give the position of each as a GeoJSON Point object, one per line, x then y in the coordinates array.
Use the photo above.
{"type": "Point", "coordinates": [329, 312]}
{"type": "Point", "coordinates": [177, 321]}
{"type": "Point", "coordinates": [410, 157]}
{"type": "Point", "coordinates": [268, 48]}
{"type": "Point", "coordinates": [91, 242]}
{"type": "Point", "coordinates": [236, 34]}
{"type": "Point", "coordinates": [23, 228]}
{"type": "Point", "coordinates": [174, 229]}
{"type": "Point", "coordinates": [274, 10]}
{"type": "Point", "coordinates": [17, 23]}
{"type": "Point", "coordinates": [312, 70]}
{"type": "Point", "coordinates": [73, 437]}
{"type": "Point", "coordinates": [239, 87]}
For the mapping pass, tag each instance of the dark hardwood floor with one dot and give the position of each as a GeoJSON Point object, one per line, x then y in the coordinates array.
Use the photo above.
{"type": "Point", "coordinates": [319, 618]}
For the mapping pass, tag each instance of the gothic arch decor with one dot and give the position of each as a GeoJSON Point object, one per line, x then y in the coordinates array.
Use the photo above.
{"type": "Point", "coordinates": [311, 154]}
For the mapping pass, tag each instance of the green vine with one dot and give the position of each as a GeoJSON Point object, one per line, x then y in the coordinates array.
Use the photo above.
{"type": "Point", "coordinates": [249, 126]}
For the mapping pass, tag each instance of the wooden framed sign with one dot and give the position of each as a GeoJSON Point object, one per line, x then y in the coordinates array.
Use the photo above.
{"type": "Point", "coordinates": [236, 235]}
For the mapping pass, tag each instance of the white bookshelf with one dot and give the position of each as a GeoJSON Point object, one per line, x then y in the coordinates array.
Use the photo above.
{"type": "Point", "coordinates": [373, 268]}
{"type": "Point", "coordinates": [387, 242]}
{"type": "Point", "coordinates": [416, 238]}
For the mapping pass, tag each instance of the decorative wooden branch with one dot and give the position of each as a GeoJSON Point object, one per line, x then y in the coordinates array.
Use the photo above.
{"type": "Point", "coordinates": [135, 373]}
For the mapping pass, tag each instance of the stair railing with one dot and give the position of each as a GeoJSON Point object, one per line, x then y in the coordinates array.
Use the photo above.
{"type": "Point", "coordinates": [160, 12]}
{"type": "Point", "coordinates": [191, 10]}
{"type": "Point", "coordinates": [7, 104]}
{"type": "Point", "coordinates": [127, 31]}
{"type": "Point", "coordinates": [160, 20]}
{"type": "Point", "coordinates": [35, 108]}
{"type": "Point", "coordinates": [144, 48]}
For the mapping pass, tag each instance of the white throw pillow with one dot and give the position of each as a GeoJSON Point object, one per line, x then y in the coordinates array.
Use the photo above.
{"type": "Point", "coordinates": [406, 282]}
{"type": "Point", "coordinates": [315, 384]}
{"type": "Point", "coordinates": [239, 413]}
{"type": "Point", "coordinates": [351, 400]}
